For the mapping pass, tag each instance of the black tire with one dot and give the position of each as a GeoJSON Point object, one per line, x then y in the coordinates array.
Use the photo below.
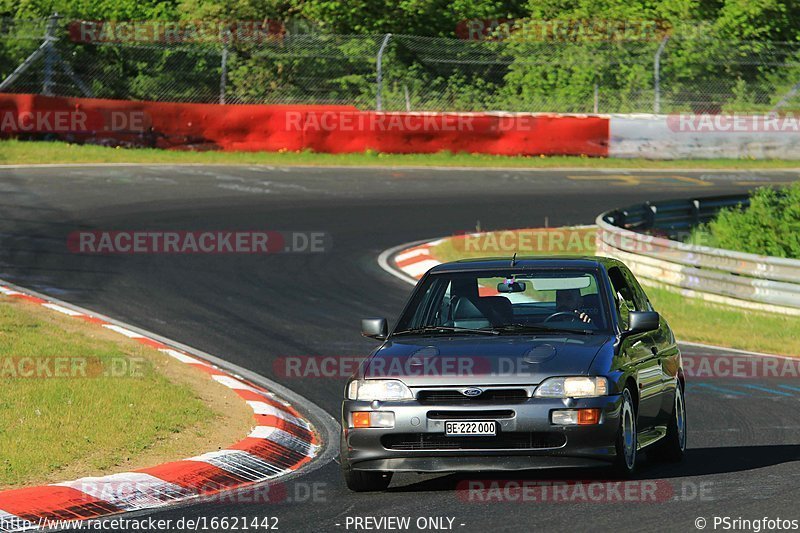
{"type": "Point", "coordinates": [627, 440]}
{"type": "Point", "coordinates": [361, 480]}
{"type": "Point", "coordinates": [672, 447]}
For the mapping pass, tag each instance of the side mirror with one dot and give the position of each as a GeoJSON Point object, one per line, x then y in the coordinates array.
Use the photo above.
{"type": "Point", "coordinates": [643, 321]}
{"type": "Point", "coordinates": [375, 328]}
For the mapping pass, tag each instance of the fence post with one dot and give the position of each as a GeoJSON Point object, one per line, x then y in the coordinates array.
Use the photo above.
{"type": "Point", "coordinates": [223, 77]}
{"type": "Point", "coordinates": [657, 76]}
{"type": "Point", "coordinates": [50, 55]}
{"type": "Point", "coordinates": [379, 96]}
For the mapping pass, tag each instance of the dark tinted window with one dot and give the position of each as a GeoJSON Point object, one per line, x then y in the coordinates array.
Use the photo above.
{"type": "Point", "coordinates": [624, 298]}
{"type": "Point", "coordinates": [559, 299]}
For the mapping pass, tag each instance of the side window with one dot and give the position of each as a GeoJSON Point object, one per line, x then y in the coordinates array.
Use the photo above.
{"type": "Point", "coordinates": [430, 305]}
{"type": "Point", "coordinates": [639, 296]}
{"type": "Point", "coordinates": [623, 296]}
{"type": "Point", "coordinates": [444, 315]}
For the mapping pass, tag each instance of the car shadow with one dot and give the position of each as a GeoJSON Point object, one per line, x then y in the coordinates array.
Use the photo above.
{"type": "Point", "coordinates": [697, 462]}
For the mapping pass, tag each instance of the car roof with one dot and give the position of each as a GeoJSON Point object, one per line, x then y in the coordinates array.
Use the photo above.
{"type": "Point", "coordinates": [526, 263]}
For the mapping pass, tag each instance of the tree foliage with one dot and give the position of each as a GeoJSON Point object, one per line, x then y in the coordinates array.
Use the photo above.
{"type": "Point", "coordinates": [770, 226]}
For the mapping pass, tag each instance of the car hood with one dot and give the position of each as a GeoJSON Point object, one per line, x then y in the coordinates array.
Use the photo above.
{"type": "Point", "coordinates": [473, 360]}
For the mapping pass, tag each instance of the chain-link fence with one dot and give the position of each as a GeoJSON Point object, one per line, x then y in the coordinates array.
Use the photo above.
{"type": "Point", "coordinates": [401, 72]}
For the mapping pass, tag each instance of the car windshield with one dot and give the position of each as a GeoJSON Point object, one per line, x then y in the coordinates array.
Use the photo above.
{"type": "Point", "coordinates": [506, 302]}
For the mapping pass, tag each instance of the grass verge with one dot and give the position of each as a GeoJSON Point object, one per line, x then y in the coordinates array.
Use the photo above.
{"type": "Point", "coordinates": [79, 400]}
{"type": "Point", "coordinates": [691, 319]}
{"type": "Point", "coordinates": [26, 152]}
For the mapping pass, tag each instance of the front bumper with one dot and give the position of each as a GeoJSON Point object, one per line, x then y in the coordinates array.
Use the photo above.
{"type": "Point", "coordinates": [551, 446]}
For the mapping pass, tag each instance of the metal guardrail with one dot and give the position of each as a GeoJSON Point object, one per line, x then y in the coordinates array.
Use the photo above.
{"type": "Point", "coordinates": [642, 236]}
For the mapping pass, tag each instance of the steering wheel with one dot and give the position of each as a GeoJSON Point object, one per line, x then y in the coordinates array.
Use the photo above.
{"type": "Point", "coordinates": [569, 314]}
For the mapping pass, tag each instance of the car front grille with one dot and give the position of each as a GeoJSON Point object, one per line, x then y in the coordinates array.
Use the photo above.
{"type": "Point", "coordinates": [503, 441]}
{"type": "Point", "coordinates": [454, 397]}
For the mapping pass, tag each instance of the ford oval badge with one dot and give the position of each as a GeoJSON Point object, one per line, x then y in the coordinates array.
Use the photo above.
{"type": "Point", "coordinates": [472, 392]}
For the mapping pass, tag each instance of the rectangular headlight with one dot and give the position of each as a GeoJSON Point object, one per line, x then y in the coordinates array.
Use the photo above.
{"type": "Point", "coordinates": [378, 389]}
{"type": "Point", "coordinates": [572, 387]}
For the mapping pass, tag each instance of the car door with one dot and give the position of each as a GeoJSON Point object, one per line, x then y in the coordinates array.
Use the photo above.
{"type": "Point", "coordinates": [639, 351]}
{"type": "Point", "coordinates": [667, 352]}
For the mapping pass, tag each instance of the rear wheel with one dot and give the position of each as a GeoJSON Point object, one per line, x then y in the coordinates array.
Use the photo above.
{"type": "Point", "coordinates": [361, 480]}
{"type": "Point", "coordinates": [627, 439]}
{"type": "Point", "coordinates": [673, 446]}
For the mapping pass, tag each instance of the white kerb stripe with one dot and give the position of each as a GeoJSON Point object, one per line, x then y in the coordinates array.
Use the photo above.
{"type": "Point", "coordinates": [63, 310]}
{"type": "Point", "coordinates": [182, 357]}
{"type": "Point", "coordinates": [241, 463]}
{"type": "Point", "coordinates": [213, 455]}
{"type": "Point", "coordinates": [287, 440]}
{"type": "Point", "coordinates": [414, 252]}
{"type": "Point", "coordinates": [6, 290]}
{"type": "Point", "coordinates": [261, 408]}
{"type": "Point", "coordinates": [130, 490]}
{"type": "Point", "coordinates": [235, 384]}
{"type": "Point", "coordinates": [128, 333]}
{"type": "Point", "coordinates": [416, 270]}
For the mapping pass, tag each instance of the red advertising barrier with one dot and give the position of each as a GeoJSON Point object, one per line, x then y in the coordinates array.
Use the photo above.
{"type": "Point", "coordinates": [332, 129]}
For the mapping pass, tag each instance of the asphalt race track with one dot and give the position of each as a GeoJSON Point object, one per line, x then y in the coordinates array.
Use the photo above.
{"type": "Point", "coordinates": [253, 310]}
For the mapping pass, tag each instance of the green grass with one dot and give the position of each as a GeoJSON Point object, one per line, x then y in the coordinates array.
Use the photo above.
{"type": "Point", "coordinates": [691, 319]}
{"type": "Point", "coordinates": [84, 424]}
{"type": "Point", "coordinates": [19, 152]}
{"type": "Point", "coordinates": [698, 321]}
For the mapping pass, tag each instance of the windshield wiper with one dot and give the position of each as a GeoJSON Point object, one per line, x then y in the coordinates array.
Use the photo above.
{"type": "Point", "coordinates": [448, 329]}
{"type": "Point", "coordinates": [543, 329]}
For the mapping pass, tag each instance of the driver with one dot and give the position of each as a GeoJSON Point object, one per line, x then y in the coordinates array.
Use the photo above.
{"type": "Point", "coordinates": [571, 301]}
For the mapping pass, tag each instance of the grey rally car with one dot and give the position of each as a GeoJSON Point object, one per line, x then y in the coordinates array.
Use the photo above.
{"type": "Point", "coordinates": [499, 364]}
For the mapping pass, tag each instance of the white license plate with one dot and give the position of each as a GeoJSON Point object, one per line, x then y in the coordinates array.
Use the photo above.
{"type": "Point", "coordinates": [477, 428]}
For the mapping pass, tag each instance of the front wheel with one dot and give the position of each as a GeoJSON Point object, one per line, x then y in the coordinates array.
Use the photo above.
{"type": "Point", "coordinates": [627, 441]}
{"type": "Point", "coordinates": [673, 446]}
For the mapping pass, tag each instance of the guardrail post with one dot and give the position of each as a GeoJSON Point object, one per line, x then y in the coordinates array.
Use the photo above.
{"type": "Point", "coordinates": [651, 214]}
{"type": "Point", "coordinates": [379, 73]}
